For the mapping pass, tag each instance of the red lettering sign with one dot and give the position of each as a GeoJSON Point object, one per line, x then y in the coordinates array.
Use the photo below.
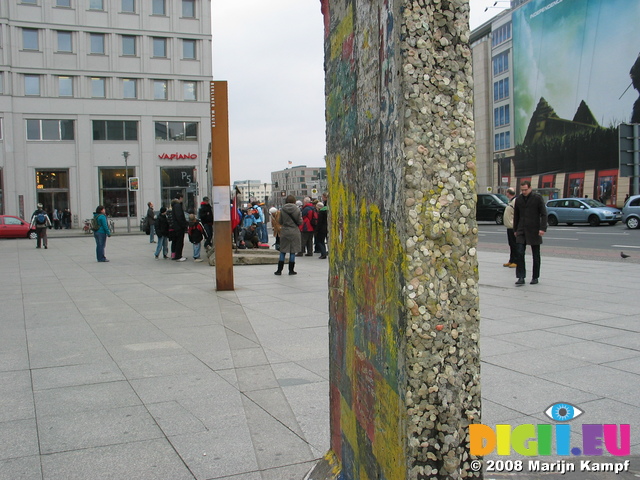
{"type": "Point", "coordinates": [177, 156]}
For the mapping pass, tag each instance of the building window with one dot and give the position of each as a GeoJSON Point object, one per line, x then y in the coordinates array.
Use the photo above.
{"type": "Point", "coordinates": [501, 89]}
{"type": "Point", "coordinates": [129, 6]}
{"type": "Point", "coordinates": [160, 89]}
{"type": "Point", "coordinates": [188, 49]}
{"type": "Point", "coordinates": [113, 191]}
{"type": "Point", "coordinates": [129, 45]}
{"type": "Point", "coordinates": [500, 63]}
{"type": "Point", "coordinates": [63, 3]}
{"type": "Point", "coordinates": [502, 141]}
{"type": "Point", "coordinates": [1, 137]}
{"type": "Point", "coordinates": [160, 47]}
{"type": "Point", "coordinates": [501, 34]}
{"type": "Point", "coordinates": [501, 116]}
{"type": "Point", "coordinates": [96, 4]}
{"type": "Point", "coordinates": [1, 83]}
{"type": "Point", "coordinates": [29, 2]}
{"type": "Point", "coordinates": [98, 87]}
{"type": "Point", "coordinates": [129, 88]}
{"type": "Point", "coordinates": [177, 131]}
{"type": "Point", "coordinates": [30, 39]}
{"type": "Point", "coordinates": [158, 7]}
{"type": "Point", "coordinates": [177, 179]}
{"type": "Point", "coordinates": [53, 189]}
{"type": "Point", "coordinates": [115, 130]}
{"type": "Point", "coordinates": [190, 93]}
{"type": "Point", "coordinates": [65, 42]}
{"type": "Point", "coordinates": [65, 86]}
{"type": "Point", "coordinates": [32, 85]}
{"type": "Point", "coordinates": [50, 130]}
{"type": "Point", "coordinates": [189, 8]}
{"type": "Point", "coordinates": [97, 43]}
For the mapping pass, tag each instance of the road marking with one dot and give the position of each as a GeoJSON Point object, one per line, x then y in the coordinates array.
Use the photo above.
{"type": "Point", "coordinates": [626, 246]}
{"type": "Point", "coordinates": [601, 233]}
{"type": "Point", "coordinates": [560, 238]}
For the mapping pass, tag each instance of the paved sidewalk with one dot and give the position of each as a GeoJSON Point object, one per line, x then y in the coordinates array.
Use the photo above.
{"type": "Point", "coordinates": [139, 369]}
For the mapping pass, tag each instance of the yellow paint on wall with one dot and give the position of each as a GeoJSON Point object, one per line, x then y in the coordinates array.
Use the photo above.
{"type": "Point", "coordinates": [341, 33]}
{"type": "Point", "coordinates": [348, 425]}
{"type": "Point", "coordinates": [388, 448]}
{"type": "Point", "coordinates": [359, 238]}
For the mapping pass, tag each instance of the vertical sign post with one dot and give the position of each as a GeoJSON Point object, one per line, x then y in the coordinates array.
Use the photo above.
{"type": "Point", "coordinates": [221, 184]}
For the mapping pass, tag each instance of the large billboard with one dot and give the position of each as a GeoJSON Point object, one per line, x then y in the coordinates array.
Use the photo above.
{"type": "Point", "coordinates": [572, 86]}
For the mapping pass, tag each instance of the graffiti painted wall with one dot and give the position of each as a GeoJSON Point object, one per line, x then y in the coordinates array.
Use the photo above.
{"type": "Point", "coordinates": [403, 272]}
{"type": "Point", "coordinates": [572, 61]}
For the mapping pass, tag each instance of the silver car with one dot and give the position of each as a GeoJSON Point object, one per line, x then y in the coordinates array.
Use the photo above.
{"type": "Point", "coordinates": [631, 212]}
{"type": "Point", "coordinates": [581, 210]}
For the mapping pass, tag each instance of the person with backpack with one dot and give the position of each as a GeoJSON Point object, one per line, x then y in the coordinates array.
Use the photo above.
{"type": "Point", "coordinates": [40, 221]}
{"type": "Point", "coordinates": [309, 223]}
{"type": "Point", "coordinates": [205, 214]}
{"type": "Point", "coordinates": [101, 231]}
{"type": "Point", "coordinates": [162, 231]}
{"type": "Point", "coordinates": [196, 234]}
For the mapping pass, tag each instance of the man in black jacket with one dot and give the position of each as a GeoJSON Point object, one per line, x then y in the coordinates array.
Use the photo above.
{"type": "Point", "coordinates": [180, 226]}
{"type": "Point", "coordinates": [529, 226]}
{"type": "Point", "coordinates": [205, 214]}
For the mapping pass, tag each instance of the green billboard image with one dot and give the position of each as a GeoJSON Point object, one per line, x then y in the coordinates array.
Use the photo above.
{"type": "Point", "coordinates": [572, 86]}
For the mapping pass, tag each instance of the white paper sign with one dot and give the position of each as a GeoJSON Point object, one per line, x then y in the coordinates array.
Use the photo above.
{"type": "Point", "coordinates": [222, 204]}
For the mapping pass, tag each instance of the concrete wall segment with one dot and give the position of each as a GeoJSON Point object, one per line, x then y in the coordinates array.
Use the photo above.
{"type": "Point", "coordinates": [403, 273]}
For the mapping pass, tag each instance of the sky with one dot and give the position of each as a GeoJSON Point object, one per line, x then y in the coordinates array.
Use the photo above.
{"type": "Point", "coordinates": [271, 54]}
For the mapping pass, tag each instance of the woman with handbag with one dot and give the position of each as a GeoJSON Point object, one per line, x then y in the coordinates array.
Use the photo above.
{"type": "Point", "coordinates": [290, 220]}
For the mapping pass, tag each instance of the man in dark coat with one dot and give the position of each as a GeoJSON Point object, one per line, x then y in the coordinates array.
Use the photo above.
{"type": "Point", "coordinates": [180, 225]}
{"type": "Point", "coordinates": [205, 214]}
{"type": "Point", "coordinates": [150, 221]}
{"type": "Point", "coordinates": [529, 225]}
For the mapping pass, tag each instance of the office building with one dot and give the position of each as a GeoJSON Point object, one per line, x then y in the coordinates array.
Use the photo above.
{"type": "Point", "coordinates": [89, 86]}
{"type": "Point", "coordinates": [248, 190]}
{"type": "Point", "coordinates": [300, 181]}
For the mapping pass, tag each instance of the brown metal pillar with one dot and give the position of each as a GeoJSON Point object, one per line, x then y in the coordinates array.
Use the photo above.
{"type": "Point", "coordinates": [221, 184]}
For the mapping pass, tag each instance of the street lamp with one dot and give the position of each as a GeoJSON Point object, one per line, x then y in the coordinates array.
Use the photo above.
{"type": "Point", "coordinates": [126, 184]}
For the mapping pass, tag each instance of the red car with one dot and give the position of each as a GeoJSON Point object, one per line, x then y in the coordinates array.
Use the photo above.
{"type": "Point", "coordinates": [15, 227]}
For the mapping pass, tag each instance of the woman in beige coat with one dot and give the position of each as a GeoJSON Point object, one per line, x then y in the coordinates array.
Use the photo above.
{"type": "Point", "coordinates": [290, 220]}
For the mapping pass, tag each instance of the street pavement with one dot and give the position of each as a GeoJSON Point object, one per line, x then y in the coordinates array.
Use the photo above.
{"type": "Point", "coordinates": [139, 369]}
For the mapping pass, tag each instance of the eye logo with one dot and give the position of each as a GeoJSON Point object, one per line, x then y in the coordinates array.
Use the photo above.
{"type": "Point", "coordinates": [563, 412]}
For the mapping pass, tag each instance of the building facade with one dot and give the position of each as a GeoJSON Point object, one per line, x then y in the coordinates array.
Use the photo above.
{"type": "Point", "coordinates": [248, 190]}
{"type": "Point", "coordinates": [493, 103]}
{"type": "Point", "coordinates": [89, 87]}
{"type": "Point", "coordinates": [300, 181]}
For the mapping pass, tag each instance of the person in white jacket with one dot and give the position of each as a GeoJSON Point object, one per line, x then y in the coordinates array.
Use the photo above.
{"type": "Point", "coordinates": [508, 222]}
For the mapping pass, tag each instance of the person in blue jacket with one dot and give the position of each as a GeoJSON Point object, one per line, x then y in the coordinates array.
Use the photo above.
{"type": "Point", "coordinates": [101, 233]}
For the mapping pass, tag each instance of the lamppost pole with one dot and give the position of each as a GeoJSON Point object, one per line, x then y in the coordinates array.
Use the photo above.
{"type": "Point", "coordinates": [126, 184]}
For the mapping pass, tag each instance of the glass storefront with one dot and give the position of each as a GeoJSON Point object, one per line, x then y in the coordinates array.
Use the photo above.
{"type": "Point", "coordinates": [53, 189]}
{"type": "Point", "coordinates": [178, 179]}
{"type": "Point", "coordinates": [113, 191]}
